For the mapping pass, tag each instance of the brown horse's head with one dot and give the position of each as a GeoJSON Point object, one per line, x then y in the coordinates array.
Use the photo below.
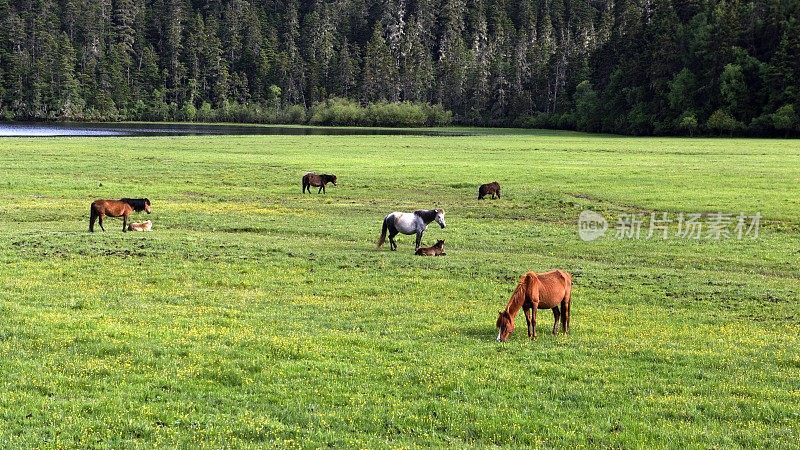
{"type": "Point", "coordinates": [505, 323]}
{"type": "Point", "coordinates": [147, 205]}
{"type": "Point", "coordinates": [331, 178]}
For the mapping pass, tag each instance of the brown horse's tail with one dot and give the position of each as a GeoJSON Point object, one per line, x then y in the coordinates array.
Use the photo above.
{"type": "Point", "coordinates": [92, 217]}
{"type": "Point", "coordinates": [567, 283]}
{"type": "Point", "coordinates": [566, 303]}
{"type": "Point", "coordinates": [384, 229]}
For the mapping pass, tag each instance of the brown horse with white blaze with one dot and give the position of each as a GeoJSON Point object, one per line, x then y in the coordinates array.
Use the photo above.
{"type": "Point", "coordinates": [535, 291]}
{"type": "Point", "coordinates": [116, 208]}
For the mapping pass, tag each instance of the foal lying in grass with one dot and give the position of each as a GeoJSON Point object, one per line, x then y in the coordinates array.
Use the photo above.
{"type": "Point", "coordinates": [141, 226]}
{"type": "Point", "coordinates": [436, 249]}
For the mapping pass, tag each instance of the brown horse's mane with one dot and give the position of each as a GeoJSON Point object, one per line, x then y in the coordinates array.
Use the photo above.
{"type": "Point", "coordinates": [138, 204]}
{"type": "Point", "coordinates": [518, 297]}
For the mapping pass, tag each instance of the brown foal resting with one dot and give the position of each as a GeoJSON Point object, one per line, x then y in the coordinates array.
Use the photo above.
{"type": "Point", "coordinates": [436, 249]}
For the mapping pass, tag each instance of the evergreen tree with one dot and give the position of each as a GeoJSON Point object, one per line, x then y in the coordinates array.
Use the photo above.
{"type": "Point", "coordinates": [345, 76]}
{"type": "Point", "coordinates": [452, 58]}
{"type": "Point", "coordinates": [69, 102]}
{"type": "Point", "coordinates": [477, 87]}
{"type": "Point", "coordinates": [291, 65]}
{"type": "Point", "coordinates": [380, 71]}
{"type": "Point", "coordinates": [733, 89]}
{"type": "Point", "coordinates": [680, 94]}
{"type": "Point", "coordinates": [416, 66]}
{"type": "Point", "coordinates": [586, 107]}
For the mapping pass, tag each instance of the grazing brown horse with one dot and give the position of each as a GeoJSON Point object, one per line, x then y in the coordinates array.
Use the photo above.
{"type": "Point", "coordinates": [436, 250]}
{"type": "Point", "coordinates": [312, 179]}
{"type": "Point", "coordinates": [147, 225]}
{"type": "Point", "coordinates": [116, 208]}
{"type": "Point", "coordinates": [489, 188]}
{"type": "Point", "coordinates": [535, 291]}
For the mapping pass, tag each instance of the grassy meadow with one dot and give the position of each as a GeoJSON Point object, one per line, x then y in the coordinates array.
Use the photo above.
{"type": "Point", "coordinates": [256, 316]}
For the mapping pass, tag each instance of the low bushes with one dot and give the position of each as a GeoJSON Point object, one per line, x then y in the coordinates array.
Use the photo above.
{"type": "Point", "coordinates": [340, 111]}
{"type": "Point", "coordinates": [336, 111]}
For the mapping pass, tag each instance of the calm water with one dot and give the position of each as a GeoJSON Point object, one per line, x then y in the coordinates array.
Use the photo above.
{"type": "Point", "coordinates": [156, 129]}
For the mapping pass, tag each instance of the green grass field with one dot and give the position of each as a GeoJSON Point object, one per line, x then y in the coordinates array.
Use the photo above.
{"type": "Point", "coordinates": [255, 316]}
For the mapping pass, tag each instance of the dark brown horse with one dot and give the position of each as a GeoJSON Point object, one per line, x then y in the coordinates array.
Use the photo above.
{"type": "Point", "coordinates": [535, 291]}
{"type": "Point", "coordinates": [492, 188]}
{"type": "Point", "coordinates": [116, 208]}
{"type": "Point", "coordinates": [313, 179]}
{"type": "Point", "coordinates": [436, 249]}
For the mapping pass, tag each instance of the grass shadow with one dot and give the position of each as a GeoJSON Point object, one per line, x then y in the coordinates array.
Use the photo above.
{"type": "Point", "coordinates": [483, 333]}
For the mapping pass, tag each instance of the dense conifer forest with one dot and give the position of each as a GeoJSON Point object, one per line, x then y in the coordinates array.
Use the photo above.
{"type": "Point", "coordinates": [622, 66]}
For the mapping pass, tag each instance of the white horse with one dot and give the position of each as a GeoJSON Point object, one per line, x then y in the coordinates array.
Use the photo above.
{"type": "Point", "coordinates": [409, 223]}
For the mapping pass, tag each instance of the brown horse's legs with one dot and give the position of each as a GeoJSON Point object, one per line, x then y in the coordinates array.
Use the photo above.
{"type": "Point", "coordinates": [527, 310]}
{"type": "Point", "coordinates": [100, 221]}
{"type": "Point", "coordinates": [565, 304]}
{"type": "Point", "coordinates": [556, 315]}
{"type": "Point", "coordinates": [533, 325]}
{"type": "Point", "coordinates": [124, 223]}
